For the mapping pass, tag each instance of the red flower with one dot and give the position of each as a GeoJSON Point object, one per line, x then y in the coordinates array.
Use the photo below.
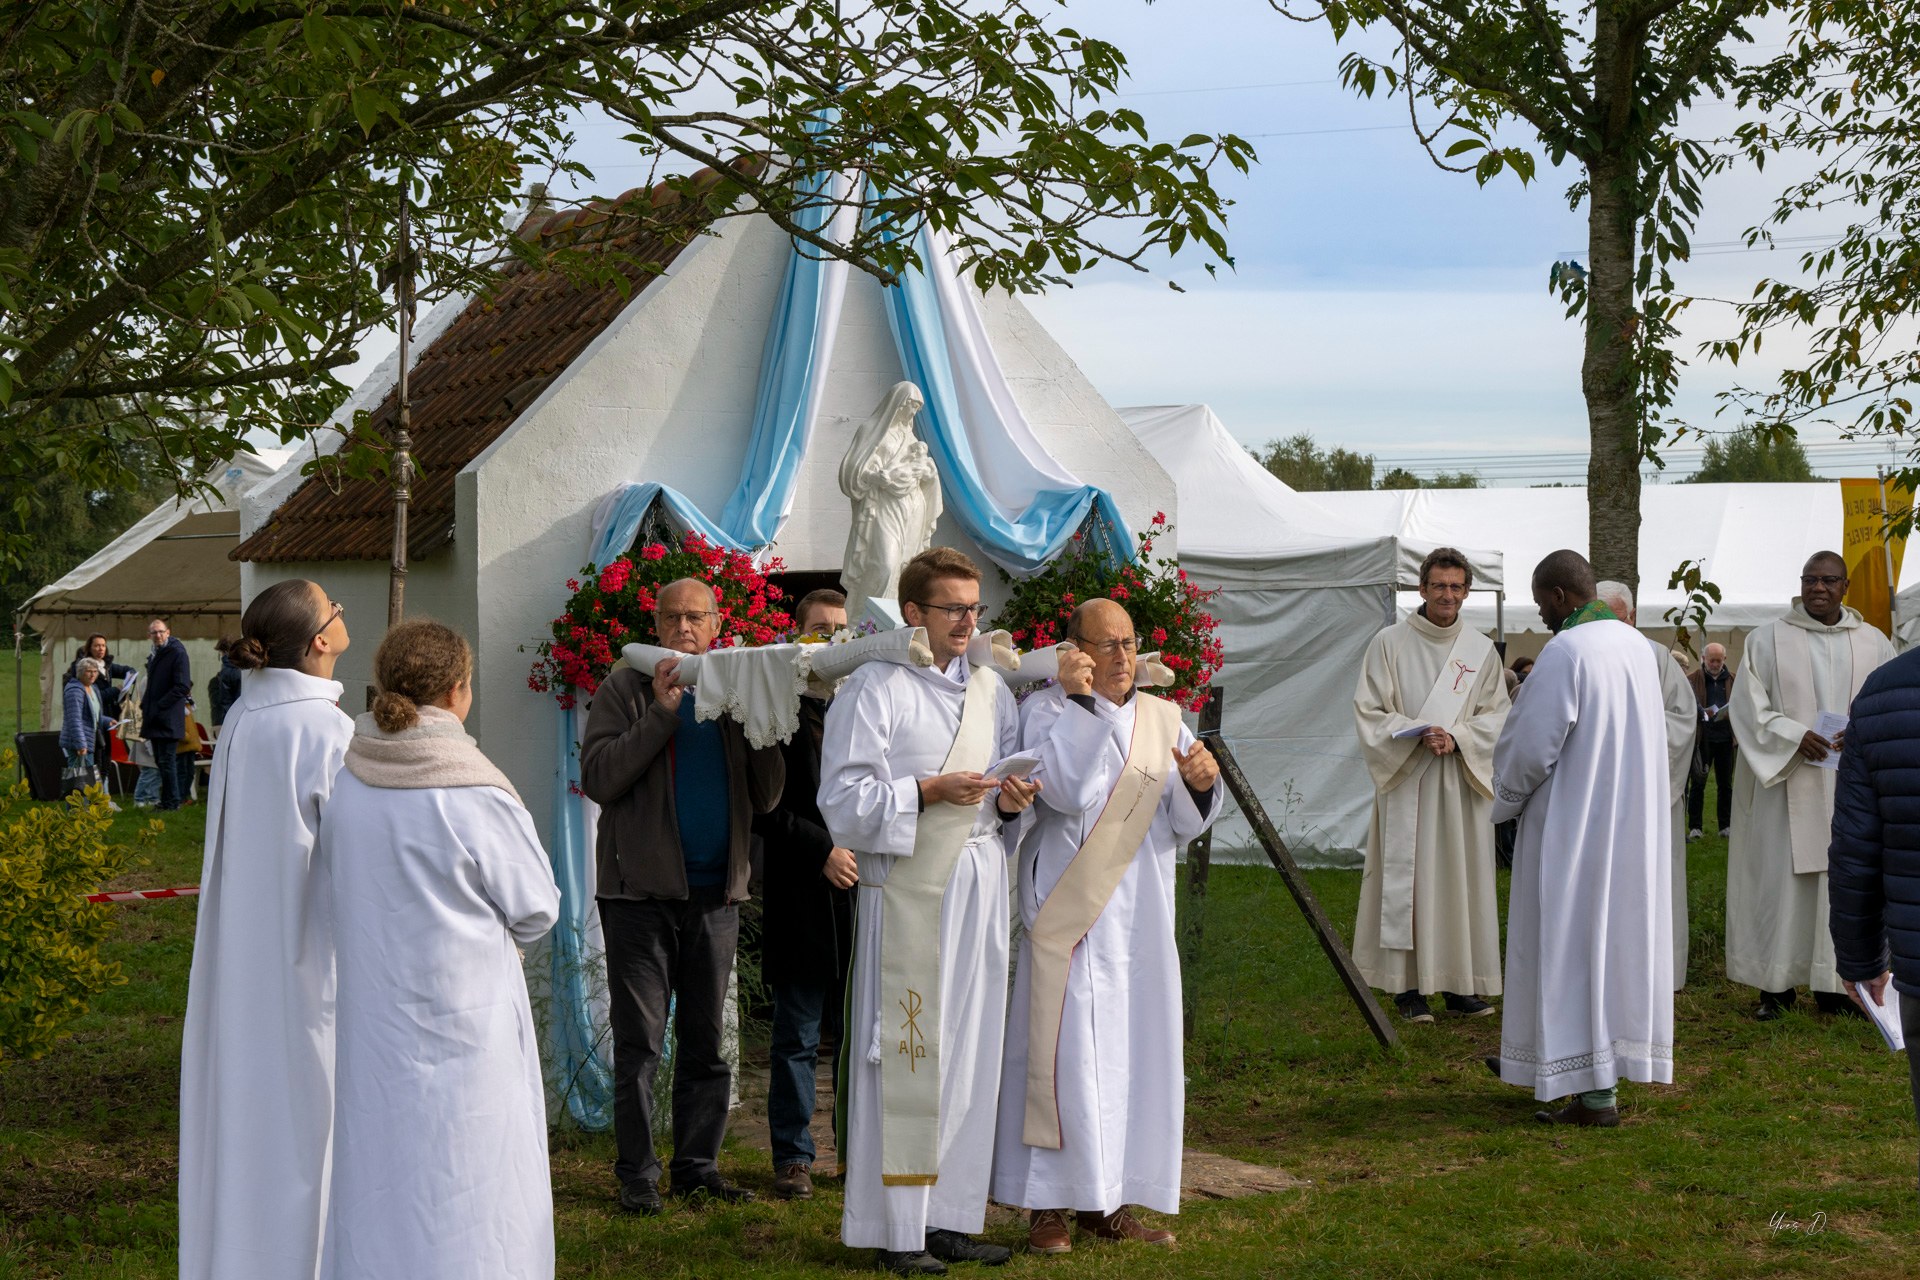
{"type": "Point", "coordinates": [1159, 635]}
{"type": "Point", "coordinates": [653, 551]}
{"type": "Point", "coordinates": [1159, 517]}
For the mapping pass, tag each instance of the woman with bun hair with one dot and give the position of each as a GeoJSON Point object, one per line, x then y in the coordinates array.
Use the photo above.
{"type": "Point", "coordinates": [440, 1121]}
{"type": "Point", "coordinates": [256, 1068]}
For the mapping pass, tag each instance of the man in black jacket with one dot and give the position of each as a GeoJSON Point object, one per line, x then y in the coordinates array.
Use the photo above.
{"type": "Point", "coordinates": [806, 930]}
{"type": "Point", "coordinates": [163, 707]}
{"type": "Point", "coordinates": [1713, 689]}
{"type": "Point", "coordinates": [1873, 863]}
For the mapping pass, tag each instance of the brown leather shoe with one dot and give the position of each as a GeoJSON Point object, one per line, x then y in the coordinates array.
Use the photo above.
{"type": "Point", "coordinates": [793, 1182]}
{"type": "Point", "coordinates": [1577, 1112]}
{"type": "Point", "coordinates": [1122, 1225]}
{"type": "Point", "coordinates": [1049, 1232]}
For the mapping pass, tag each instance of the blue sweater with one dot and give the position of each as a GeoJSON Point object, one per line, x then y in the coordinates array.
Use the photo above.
{"type": "Point", "coordinates": [700, 798]}
{"type": "Point", "coordinates": [76, 719]}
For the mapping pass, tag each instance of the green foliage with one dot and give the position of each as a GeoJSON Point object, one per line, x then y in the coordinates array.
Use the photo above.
{"type": "Point", "coordinates": [1844, 98]}
{"type": "Point", "coordinates": [1305, 466]}
{"type": "Point", "coordinates": [51, 857]}
{"type": "Point", "coordinates": [1754, 455]}
{"type": "Point", "coordinates": [1169, 612]}
{"type": "Point", "coordinates": [198, 199]}
{"type": "Point", "coordinates": [1401, 478]}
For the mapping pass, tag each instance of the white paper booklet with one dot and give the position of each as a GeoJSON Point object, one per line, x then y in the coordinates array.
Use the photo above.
{"type": "Point", "coordinates": [1827, 725]}
{"type": "Point", "coordinates": [1013, 767]}
{"type": "Point", "coordinates": [1885, 1017]}
{"type": "Point", "coordinates": [1413, 731]}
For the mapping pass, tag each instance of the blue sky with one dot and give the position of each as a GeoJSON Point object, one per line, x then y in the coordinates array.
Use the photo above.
{"type": "Point", "coordinates": [1378, 302]}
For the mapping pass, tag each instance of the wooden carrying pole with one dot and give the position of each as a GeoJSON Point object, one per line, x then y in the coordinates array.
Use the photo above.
{"type": "Point", "coordinates": [1282, 859]}
{"type": "Point", "coordinates": [402, 461]}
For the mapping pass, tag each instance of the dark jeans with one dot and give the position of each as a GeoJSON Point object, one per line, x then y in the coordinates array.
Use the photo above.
{"type": "Point", "coordinates": [103, 759]}
{"type": "Point", "coordinates": [183, 772]}
{"type": "Point", "coordinates": [800, 1010]}
{"type": "Point", "coordinates": [657, 949]}
{"type": "Point", "coordinates": [164, 760]}
{"type": "Point", "coordinates": [1910, 1027]}
{"type": "Point", "coordinates": [1719, 757]}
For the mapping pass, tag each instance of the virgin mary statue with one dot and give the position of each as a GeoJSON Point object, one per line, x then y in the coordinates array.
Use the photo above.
{"type": "Point", "coordinates": [895, 490]}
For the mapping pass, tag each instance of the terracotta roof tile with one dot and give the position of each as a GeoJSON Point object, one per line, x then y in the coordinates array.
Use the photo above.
{"type": "Point", "coordinates": [488, 366]}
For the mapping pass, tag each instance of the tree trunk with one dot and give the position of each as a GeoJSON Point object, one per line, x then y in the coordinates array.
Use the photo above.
{"type": "Point", "coordinates": [1606, 375]}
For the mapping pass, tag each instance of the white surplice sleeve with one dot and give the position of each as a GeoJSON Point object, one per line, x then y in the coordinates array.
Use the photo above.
{"type": "Point", "coordinates": [1377, 716]}
{"type": "Point", "coordinates": [1535, 732]}
{"type": "Point", "coordinates": [1769, 738]}
{"type": "Point", "coordinates": [1183, 816]}
{"type": "Point", "coordinates": [863, 805]}
{"type": "Point", "coordinates": [515, 871]}
{"type": "Point", "coordinates": [1074, 747]}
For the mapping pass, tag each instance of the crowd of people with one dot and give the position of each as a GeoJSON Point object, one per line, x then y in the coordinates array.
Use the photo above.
{"type": "Point", "coordinates": [361, 1092]}
{"type": "Point", "coordinates": [361, 1086]}
{"type": "Point", "coordinates": [1600, 753]}
{"type": "Point", "coordinates": [150, 710]}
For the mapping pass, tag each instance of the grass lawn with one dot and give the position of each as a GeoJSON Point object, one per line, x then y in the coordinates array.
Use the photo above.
{"type": "Point", "coordinates": [1421, 1165]}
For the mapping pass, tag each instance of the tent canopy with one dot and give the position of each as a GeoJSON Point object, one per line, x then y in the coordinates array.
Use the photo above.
{"type": "Point", "coordinates": [171, 563]}
{"type": "Point", "coordinates": [1252, 529]}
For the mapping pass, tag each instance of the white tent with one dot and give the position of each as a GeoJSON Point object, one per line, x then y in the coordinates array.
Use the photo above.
{"type": "Point", "coordinates": [1302, 588]}
{"type": "Point", "coordinates": [1751, 539]}
{"type": "Point", "coordinates": [171, 563]}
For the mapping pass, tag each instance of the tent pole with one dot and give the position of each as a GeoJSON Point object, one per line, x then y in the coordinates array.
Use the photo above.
{"type": "Point", "coordinates": [402, 463]}
{"type": "Point", "coordinates": [19, 701]}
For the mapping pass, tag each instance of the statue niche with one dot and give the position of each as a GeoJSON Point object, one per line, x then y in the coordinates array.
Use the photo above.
{"type": "Point", "coordinates": [895, 490]}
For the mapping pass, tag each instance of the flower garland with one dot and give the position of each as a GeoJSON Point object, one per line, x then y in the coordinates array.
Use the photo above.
{"type": "Point", "coordinates": [613, 607]}
{"type": "Point", "coordinates": [1169, 612]}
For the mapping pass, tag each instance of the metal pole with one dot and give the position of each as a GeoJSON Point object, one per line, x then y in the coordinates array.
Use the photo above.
{"type": "Point", "coordinates": [402, 463]}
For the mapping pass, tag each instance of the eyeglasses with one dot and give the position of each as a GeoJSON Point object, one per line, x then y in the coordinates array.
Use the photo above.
{"type": "Point", "coordinates": [156, 631]}
{"type": "Point", "coordinates": [670, 620]}
{"type": "Point", "coordinates": [1107, 648]}
{"type": "Point", "coordinates": [1450, 588]}
{"type": "Point", "coordinates": [954, 612]}
{"type": "Point", "coordinates": [339, 611]}
{"type": "Point", "coordinates": [1821, 580]}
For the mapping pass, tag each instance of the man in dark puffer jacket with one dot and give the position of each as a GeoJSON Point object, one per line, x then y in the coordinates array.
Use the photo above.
{"type": "Point", "coordinates": [1873, 864]}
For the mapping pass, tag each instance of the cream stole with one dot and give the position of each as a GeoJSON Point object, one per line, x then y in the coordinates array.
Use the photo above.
{"type": "Point", "coordinates": [1810, 790]}
{"type": "Point", "coordinates": [1079, 897]}
{"type": "Point", "coordinates": [911, 900]}
{"type": "Point", "coordinates": [1400, 826]}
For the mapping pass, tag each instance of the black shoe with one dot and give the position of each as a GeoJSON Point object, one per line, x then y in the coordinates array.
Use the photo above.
{"type": "Point", "coordinates": [642, 1198]}
{"type": "Point", "coordinates": [716, 1188]}
{"type": "Point", "coordinates": [958, 1246]}
{"type": "Point", "coordinates": [1492, 1063]}
{"type": "Point", "coordinates": [1466, 1006]}
{"type": "Point", "coordinates": [1772, 1005]}
{"type": "Point", "coordinates": [910, 1264]}
{"type": "Point", "coordinates": [1835, 1004]}
{"type": "Point", "coordinates": [1413, 1007]}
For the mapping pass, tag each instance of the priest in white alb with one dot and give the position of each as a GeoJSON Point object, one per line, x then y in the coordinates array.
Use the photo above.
{"type": "Point", "coordinates": [1789, 710]}
{"type": "Point", "coordinates": [1683, 722]}
{"type": "Point", "coordinates": [1092, 1096]}
{"type": "Point", "coordinates": [1582, 763]}
{"type": "Point", "coordinates": [902, 784]}
{"type": "Point", "coordinates": [1429, 705]}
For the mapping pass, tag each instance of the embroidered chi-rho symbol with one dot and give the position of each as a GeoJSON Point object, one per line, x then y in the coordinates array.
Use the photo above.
{"type": "Point", "coordinates": [1461, 672]}
{"type": "Point", "coordinates": [913, 1044]}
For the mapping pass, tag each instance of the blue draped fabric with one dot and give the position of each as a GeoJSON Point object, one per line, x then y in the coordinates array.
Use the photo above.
{"type": "Point", "coordinates": [1021, 543]}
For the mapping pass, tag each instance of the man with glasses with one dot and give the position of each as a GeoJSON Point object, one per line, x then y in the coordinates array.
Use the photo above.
{"type": "Point", "coordinates": [1799, 670]}
{"type": "Point", "coordinates": [163, 709]}
{"type": "Point", "coordinates": [903, 784]}
{"type": "Point", "coordinates": [1429, 706]}
{"type": "Point", "coordinates": [1092, 1095]}
{"type": "Point", "coordinates": [677, 799]}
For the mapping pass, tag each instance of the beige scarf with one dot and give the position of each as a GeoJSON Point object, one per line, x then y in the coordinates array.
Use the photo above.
{"type": "Point", "coordinates": [436, 752]}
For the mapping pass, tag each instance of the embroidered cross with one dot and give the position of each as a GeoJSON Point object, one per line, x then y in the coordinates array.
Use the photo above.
{"type": "Point", "coordinates": [914, 1045]}
{"type": "Point", "coordinates": [1461, 673]}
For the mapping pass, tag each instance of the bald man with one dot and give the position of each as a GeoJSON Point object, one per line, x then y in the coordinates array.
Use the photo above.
{"type": "Point", "coordinates": [1091, 1092]}
{"type": "Point", "coordinates": [1799, 668]}
{"type": "Point", "coordinates": [1582, 762]}
{"type": "Point", "coordinates": [1677, 696]}
{"type": "Point", "coordinates": [1713, 693]}
{"type": "Point", "coordinates": [677, 800]}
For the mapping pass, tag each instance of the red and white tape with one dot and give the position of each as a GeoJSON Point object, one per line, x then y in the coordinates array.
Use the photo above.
{"type": "Point", "coordinates": [146, 895]}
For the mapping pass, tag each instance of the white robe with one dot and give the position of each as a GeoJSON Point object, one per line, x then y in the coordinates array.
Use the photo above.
{"type": "Point", "coordinates": [1683, 722]}
{"type": "Point", "coordinates": [1777, 936]}
{"type": "Point", "coordinates": [1119, 1071]}
{"type": "Point", "coordinates": [440, 1159]}
{"type": "Point", "coordinates": [1582, 763]}
{"type": "Point", "coordinates": [256, 1058]}
{"type": "Point", "coordinates": [1456, 908]}
{"type": "Point", "coordinates": [889, 727]}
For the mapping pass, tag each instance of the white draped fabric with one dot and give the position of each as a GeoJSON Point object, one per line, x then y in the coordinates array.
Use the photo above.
{"type": "Point", "coordinates": [1445, 803]}
{"type": "Point", "coordinates": [256, 1060]}
{"type": "Point", "coordinates": [1683, 722]}
{"type": "Point", "coordinates": [440, 1164]}
{"type": "Point", "coordinates": [889, 727]}
{"type": "Point", "coordinates": [1582, 763]}
{"type": "Point", "coordinates": [1777, 936]}
{"type": "Point", "coordinates": [1118, 1072]}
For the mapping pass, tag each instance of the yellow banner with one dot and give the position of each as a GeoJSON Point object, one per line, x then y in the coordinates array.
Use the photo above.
{"type": "Point", "coordinates": [1872, 582]}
